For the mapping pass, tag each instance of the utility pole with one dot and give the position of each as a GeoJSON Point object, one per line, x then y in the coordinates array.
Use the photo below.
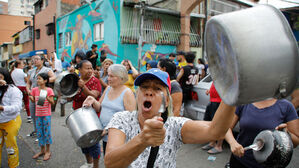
{"type": "Point", "coordinates": [140, 40]}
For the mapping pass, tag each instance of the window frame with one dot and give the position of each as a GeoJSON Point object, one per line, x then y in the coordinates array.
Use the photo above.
{"type": "Point", "coordinates": [98, 34]}
{"type": "Point", "coordinates": [37, 34]}
{"type": "Point", "coordinates": [60, 40]}
{"type": "Point", "coordinates": [68, 38]}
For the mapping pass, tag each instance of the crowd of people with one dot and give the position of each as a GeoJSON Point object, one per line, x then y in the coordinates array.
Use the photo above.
{"type": "Point", "coordinates": [128, 103]}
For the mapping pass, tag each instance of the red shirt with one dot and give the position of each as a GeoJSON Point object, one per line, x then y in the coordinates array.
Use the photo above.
{"type": "Point", "coordinates": [92, 84]}
{"type": "Point", "coordinates": [214, 97]}
{"type": "Point", "coordinates": [44, 110]}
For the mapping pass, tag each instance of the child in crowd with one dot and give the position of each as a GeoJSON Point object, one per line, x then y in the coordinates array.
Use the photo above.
{"type": "Point", "coordinates": [43, 116]}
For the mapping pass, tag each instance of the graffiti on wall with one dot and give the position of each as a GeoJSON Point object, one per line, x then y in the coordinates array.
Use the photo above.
{"type": "Point", "coordinates": [80, 23]}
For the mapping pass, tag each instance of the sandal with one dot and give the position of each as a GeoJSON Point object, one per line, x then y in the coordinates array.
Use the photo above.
{"type": "Point", "coordinates": [38, 155]}
{"type": "Point", "coordinates": [47, 156]}
{"type": "Point", "coordinates": [214, 151]}
{"type": "Point", "coordinates": [207, 147]}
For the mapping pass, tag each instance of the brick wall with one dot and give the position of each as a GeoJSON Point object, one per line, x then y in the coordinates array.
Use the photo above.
{"type": "Point", "coordinates": [43, 18]}
{"type": "Point", "coordinates": [72, 2]}
{"type": "Point", "coordinates": [11, 25]}
{"type": "Point", "coordinates": [27, 47]}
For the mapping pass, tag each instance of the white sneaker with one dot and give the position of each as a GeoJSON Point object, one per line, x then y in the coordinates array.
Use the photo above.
{"type": "Point", "coordinates": [29, 120]}
{"type": "Point", "coordinates": [87, 165]}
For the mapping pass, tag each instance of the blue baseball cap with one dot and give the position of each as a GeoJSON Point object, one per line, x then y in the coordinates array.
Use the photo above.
{"type": "Point", "coordinates": [154, 73]}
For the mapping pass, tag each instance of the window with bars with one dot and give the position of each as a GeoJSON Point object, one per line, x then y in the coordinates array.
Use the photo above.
{"type": "Point", "coordinates": [68, 39]}
{"type": "Point", "coordinates": [60, 45]}
{"type": "Point", "coordinates": [98, 31]}
{"type": "Point", "coordinates": [37, 33]}
{"type": "Point", "coordinates": [223, 6]}
{"type": "Point", "coordinates": [157, 28]}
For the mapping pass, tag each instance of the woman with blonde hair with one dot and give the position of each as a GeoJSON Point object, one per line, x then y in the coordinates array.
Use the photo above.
{"type": "Point", "coordinates": [103, 76]}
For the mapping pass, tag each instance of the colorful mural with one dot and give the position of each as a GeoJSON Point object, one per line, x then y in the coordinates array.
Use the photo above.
{"type": "Point", "coordinates": [80, 23]}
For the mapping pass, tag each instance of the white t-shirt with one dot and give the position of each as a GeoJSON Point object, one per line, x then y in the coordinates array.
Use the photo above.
{"type": "Point", "coordinates": [12, 104]}
{"type": "Point", "coordinates": [200, 67]}
{"type": "Point", "coordinates": [18, 76]}
{"type": "Point", "coordinates": [128, 123]}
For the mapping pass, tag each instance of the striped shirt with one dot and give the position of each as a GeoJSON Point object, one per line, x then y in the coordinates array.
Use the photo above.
{"type": "Point", "coordinates": [44, 110]}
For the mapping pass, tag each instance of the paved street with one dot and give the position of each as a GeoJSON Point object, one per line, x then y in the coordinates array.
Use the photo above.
{"type": "Point", "coordinates": [65, 153]}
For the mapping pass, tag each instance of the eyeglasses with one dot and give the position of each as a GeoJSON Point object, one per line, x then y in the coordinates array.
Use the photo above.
{"type": "Point", "coordinates": [36, 59]}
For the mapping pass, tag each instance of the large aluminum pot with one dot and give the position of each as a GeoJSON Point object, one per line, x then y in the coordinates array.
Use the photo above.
{"type": "Point", "coordinates": [252, 55]}
{"type": "Point", "coordinates": [85, 127]}
{"type": "Point", "coordinates": [66, 83]}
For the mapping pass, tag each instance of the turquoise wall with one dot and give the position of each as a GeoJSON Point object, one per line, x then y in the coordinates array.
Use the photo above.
{"type": "Point", "coordinates": [80, 23]}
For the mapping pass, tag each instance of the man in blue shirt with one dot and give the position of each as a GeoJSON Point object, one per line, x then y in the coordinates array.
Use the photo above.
{"type": "Point", "coordinates": [65, 65]}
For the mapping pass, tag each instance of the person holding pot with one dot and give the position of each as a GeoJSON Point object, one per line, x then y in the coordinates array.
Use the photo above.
{"type": "Point", "coordinates": [38, 61]}
{"type": "Point", "coordinates": [254, 118]}
{"type": "Point", "coordinates": [132, 74]}
{"type": "Point", "coordinates": [10, 119]}
{"type": "Point", "coordinates": [132, 133]}
{"type": "Point", "coordinates": [89, 86]}
{"type": "Point", "coordinates": [43, 115]}
{"type": "Point", "coordinates": [116, 97]}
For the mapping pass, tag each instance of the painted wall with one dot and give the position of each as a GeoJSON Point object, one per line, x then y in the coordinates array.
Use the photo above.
{"type": "Point", "coordinates": [80, 23]}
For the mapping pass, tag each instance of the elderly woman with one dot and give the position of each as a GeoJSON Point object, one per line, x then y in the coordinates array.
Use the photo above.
{"type": "Point", "coordinates": [134, 135]}
{"type": "Point", "coordinates": [10, 120]}
{"type": "Point", "coordinates": [116, 97]}
{"type": "Point", "coordinates": [38, 61]}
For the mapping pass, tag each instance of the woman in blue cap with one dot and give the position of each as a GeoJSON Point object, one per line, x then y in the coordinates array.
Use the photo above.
{"type": "Point", "coordinates": [134, 137]}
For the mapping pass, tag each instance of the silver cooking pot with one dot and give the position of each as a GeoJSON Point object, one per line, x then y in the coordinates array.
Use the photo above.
{"type": "Point", "coordinates": [42, 97]}
{"type": "Point", "coordinates": [66, 83]}
{"type": "Point", "coordinates": [252, 55]}
{"type": "Point", "coordinates": [85, 127]}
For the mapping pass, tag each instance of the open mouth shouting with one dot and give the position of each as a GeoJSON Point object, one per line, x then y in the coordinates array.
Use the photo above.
{"type": "Point", "coordinates": [147, 105]}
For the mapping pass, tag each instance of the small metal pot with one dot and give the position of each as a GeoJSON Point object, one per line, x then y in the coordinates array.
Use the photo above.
{"type": "Point", "coordinates": [252, 55]}
{"type": "Point", "coordinates": [42, 97]}
{"type": "Point", "coordinates": [66, 83]}
{"type": "Point", "coordinates": [85, 127]}
{"type": "Point", "coordinates": [277, 150]}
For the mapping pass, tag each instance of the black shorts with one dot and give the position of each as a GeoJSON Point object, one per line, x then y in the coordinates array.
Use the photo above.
{"type": "Point", "coordinates": [210, 111]}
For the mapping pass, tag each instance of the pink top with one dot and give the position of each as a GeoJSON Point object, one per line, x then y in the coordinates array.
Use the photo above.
{"type": "Point", "coordinates": [44, 110]}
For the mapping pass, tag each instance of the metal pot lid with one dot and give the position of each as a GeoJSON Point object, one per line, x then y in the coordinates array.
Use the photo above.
{"type": "Point", "coordinates": [67, 84]}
